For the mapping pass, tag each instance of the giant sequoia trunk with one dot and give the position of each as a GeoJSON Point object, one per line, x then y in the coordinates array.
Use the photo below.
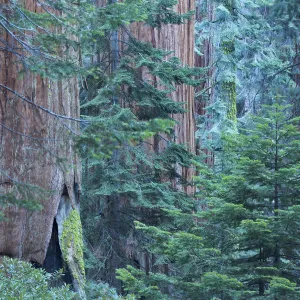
{"type": "Point", "coordinates": [36, 148]}
{"type": "Point", "coordinates": [180, 40]}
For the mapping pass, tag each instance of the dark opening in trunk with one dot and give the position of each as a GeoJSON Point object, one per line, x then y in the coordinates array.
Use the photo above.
{"type": "Point", "coordinates": [54, 261]}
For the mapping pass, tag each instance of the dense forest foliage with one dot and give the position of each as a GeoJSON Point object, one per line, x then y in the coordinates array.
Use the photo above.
{"type": "Point", "coordinates": [162, 218]}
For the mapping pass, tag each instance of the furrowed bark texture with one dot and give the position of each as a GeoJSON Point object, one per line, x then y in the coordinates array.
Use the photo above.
{"type": "Point", "coordinates": [180, 40]}
{"type": "Point", "coordinates": [35, 148]}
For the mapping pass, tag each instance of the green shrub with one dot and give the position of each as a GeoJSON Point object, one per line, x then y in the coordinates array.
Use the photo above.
{"type": "Point", "coordinates": [20, 280]}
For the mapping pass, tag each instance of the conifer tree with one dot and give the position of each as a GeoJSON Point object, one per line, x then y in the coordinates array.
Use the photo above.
{"type": "Point", "coordinates": [126, 177]}
{"type": "Point", "coordinates": [261, 241]}
{"type": "Point", "coordinates": [244, 240]}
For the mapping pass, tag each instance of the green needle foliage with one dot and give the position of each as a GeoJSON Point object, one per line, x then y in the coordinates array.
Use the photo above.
{"type": "Point", "coordinates": [243, 241]}
{"type": "Point", "coordinates": [260, 184]}
{"type": "Point", "coordinates": [254, 57]}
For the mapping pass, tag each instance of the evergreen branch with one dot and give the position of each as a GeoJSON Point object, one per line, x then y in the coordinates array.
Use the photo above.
{"type": "Point", "coordinates": [162, 138]}
{"type": "Point", "coordinates": [28, 19]}
{"type": "Point", "coordinates": [14, 25]}
{"type": "Point", "coordinates": [205, 90]}
{"type": "Point", "coordinates": [52, 15]}
{"type": "Point", "coordinates": [128, 32]}
{"type": "Point", "coordinates": [13, 180]}
{"type": "Point", "coordinates": [26, 47]}
{"type": "Point", "coordinates": [30, 49]}
{"type": "Point", "coordinates": [8, 48]}
{"type": "Point", "coordinates": [286, 68]}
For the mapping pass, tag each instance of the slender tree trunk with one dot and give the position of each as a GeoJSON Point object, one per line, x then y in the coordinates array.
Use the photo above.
{"type": "Point", "coordinates": [276, 191]}
{"type": "Point", "coordinates": [261, 282]}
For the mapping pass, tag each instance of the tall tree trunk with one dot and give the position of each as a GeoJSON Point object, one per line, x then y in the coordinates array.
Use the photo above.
{"type": "Point", "coordinates": [180, 40]}
{"type": "Point", "coordinates": [36, 148]}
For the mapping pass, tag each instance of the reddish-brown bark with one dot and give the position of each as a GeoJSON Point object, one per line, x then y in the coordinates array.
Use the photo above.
{"type": "Point", "coordinates": [180, 40]}
{"type": "Point", "coordinates": [35, 148]}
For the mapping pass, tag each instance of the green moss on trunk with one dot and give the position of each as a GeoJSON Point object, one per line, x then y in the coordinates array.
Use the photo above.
{"type": "Point", "coordinates": [230, 87]}
{"type": "Point", "coordinates": [72, 246]}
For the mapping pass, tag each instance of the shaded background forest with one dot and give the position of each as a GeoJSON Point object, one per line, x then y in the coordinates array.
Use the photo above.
{"type": "Point", "coordinates": [150, 146]}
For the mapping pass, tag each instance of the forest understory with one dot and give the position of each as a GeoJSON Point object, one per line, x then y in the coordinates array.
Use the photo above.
{"type": "Point", "coordinates": [150, 149]}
